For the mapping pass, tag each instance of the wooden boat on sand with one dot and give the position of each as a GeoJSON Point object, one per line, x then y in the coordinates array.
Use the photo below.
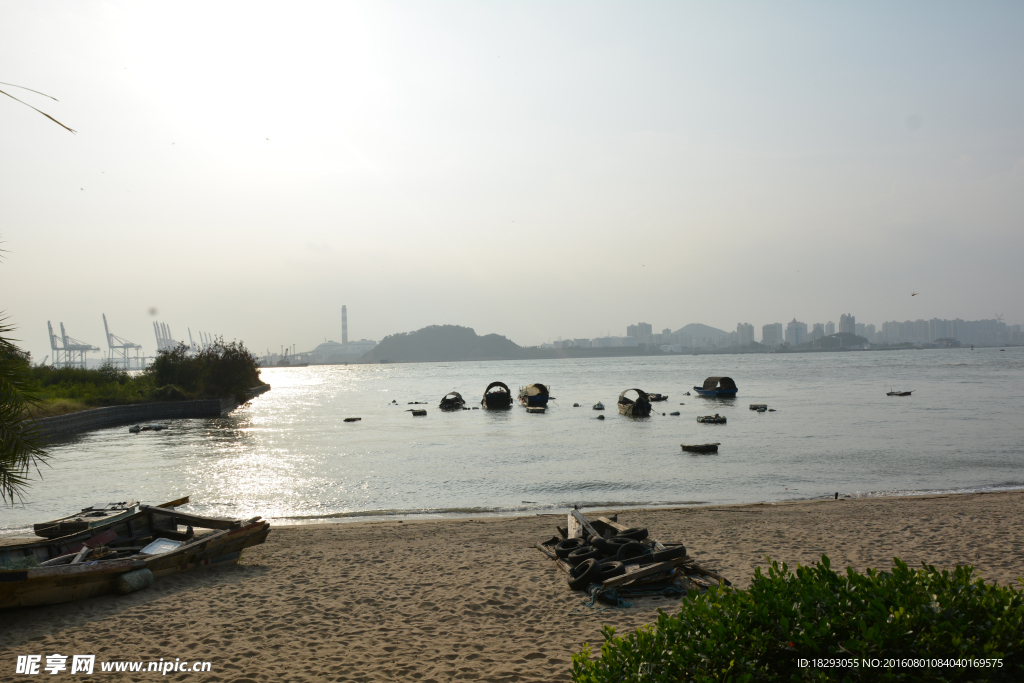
{"type": "Point", "coordinates": [94, 517]}
{"type": "Point", "coordinates": [125, 555]}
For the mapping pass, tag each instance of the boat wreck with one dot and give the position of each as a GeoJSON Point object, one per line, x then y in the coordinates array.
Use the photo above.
{"type": "Point", "coordinates": [613, 562]}
{"type": "Point", "coordinates": [497, 396]}
{"type": "Point", "coordinates": [95, 518]}
{"type": "Point", "coordinates": [124, 555]}
{"type": "Point", "coordinates": [534, 395]}
{"type": "Point", "coordinates": [452, 401]}
{"type": "Point", "coordinates": [639, 407]}
{"type": "Point", "coordinates": [717, 387]}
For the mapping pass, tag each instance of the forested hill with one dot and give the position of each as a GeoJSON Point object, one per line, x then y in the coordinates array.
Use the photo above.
{"type": "Point", "coordinates": [442, 343]}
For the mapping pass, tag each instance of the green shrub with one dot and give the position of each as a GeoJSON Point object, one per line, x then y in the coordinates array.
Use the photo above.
{"type": "Point", "coordinates": [217, 371]}
{"type": "Point", "coordinates": [762, 633]}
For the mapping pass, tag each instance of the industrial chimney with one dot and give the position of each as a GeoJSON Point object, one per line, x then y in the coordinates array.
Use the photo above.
{"type": "Point", "coordinates": [344, 325]}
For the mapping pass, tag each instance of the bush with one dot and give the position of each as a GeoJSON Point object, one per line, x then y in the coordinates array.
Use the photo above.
{"type": "Point", "coordinates": [217, 371]}
{"type": "Point", "coordinates": [759, 634]}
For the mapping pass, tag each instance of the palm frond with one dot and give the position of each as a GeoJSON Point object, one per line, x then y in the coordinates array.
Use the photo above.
{"type": "Point", "coordinates": [31, 107]}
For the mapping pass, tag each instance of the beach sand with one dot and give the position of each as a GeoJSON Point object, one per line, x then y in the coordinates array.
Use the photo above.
{"type": "Point", "coordinates": [473, 599]}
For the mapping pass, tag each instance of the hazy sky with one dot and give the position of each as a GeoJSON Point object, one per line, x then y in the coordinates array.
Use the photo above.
{"type": "Point", "coordinates": [531, 169]}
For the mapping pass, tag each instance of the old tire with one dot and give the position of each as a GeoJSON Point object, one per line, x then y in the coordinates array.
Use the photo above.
{"type": "Point", "coordinates": [672, 553]}
{"type": "Point", "coordinates": [630, 551]}
{"type": "Point", "coordinates": [584, 574]}
{"type": "Point", "coordinates": [635, 534]}
{"type": "Point", "coordinates": [611, 568]}
{"type": "Point", "coordinates": [583, 553]}
{"type": "Point", "coordinates": [615, 543]}
{"type": "Point", "coordinates": [601, 544]}
{"type": "Point", "coordinates": [565, 547]}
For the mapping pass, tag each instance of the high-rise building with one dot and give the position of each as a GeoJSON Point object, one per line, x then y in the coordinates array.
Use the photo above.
{"type": "Point", "coordinates": [830, 328]}
{"type": "Point", "coordinates": [817, 332]}
{"type": "Point", "coordinates": [847, 324]}
{"type": "Point", "coordinates": [796, 332]}
{"type": "Point", "coordinates": [771, 335]}
{"type": "Point", "coordinates": [646, 333]}
{"type": "Point", "coordinates": [744, 334]}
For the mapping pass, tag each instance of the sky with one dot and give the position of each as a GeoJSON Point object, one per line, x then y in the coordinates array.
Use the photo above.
{"type": "Point", "coordinates": [532, 169]}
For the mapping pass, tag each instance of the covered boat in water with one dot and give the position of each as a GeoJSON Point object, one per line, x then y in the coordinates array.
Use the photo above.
{"type": "Point", "coordinates": [717, 387]}
{"type": "Point", "coordinates": [452, 401]}
{"type": "Point", "coordinates": [534, 395]}
{"type": "Point", "coordinates": [638, 407]}
{"type": "Point", "coordinates": [497, 396]}
{"type": "Point", "coordinates": [123, 556]}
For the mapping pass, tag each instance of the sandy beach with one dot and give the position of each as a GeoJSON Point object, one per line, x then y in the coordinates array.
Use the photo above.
{"type": "Point", "coordinates": [472, 599]}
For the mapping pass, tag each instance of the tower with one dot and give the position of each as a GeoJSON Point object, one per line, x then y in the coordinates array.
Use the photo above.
{"type": "Point", "coordinates": [344, 325]}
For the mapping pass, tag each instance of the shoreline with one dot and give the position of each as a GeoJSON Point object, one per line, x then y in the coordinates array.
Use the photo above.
{"type": "Point", "coordinates": [437, 600]}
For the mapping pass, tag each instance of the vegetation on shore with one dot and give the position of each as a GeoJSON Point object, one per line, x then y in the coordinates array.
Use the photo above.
{"type": "Point", "coordinates": [220, 370]}
{"type": "Point", "coordinates": [762, 633]}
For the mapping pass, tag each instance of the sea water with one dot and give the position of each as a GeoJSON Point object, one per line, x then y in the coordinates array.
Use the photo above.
{"type": "Point", "coordinates": [290, 457]}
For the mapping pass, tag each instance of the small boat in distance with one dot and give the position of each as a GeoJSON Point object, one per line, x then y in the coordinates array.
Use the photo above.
{"type": "Point", "coordinates": [657, 397]}
{"type": "Point", "coordinates": [701, 448]}
{"type": "Point", "coordinates": [899, 393]}
{"type": "Point", "coordinates": [639, 407]}
{"type": "Point", "coordinates": [715, 419]}
{"type": "Point", "coordinates": [598, 406]}
{"type": "Point", "coordinates": [452, 401]}
{"type": "Point", "coordinates": [717, 387]}
{"type": "Point", "coordinates": [497, 396]}
{"type": "Point", "coordinates": [534, 395]}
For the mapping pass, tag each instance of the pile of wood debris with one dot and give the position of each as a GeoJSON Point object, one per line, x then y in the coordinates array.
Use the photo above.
{"type": "Point", "coordinates": [612, 561]}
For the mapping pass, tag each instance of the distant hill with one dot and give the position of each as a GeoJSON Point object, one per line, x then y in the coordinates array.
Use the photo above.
{"type": "Point", "coordinates": [701, 331]}
{"type": "Point", "coordinates": [442, 343]}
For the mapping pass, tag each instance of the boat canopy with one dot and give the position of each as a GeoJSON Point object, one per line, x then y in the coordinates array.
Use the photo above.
{"type": "Point", "coordinates": [641, 397]}
{"type": "Point", "coordinates": [719, 383]}
{"type": "Point", "coordinates": [535, 390]}
{"type": "Point", "coordinates": [500, 386]}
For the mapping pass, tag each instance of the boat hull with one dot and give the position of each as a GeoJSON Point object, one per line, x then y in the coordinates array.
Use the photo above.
{"type": "Point", "coordinates": [716, 393]}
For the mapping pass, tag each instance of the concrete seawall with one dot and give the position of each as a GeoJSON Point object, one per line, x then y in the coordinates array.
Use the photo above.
{"type": "Point", "coordinates": [61, 426]}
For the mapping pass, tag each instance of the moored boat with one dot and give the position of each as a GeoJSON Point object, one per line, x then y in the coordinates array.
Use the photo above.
{"type": "Point", "coordinates": [534, 395]}
{"type": "Point", "coordinates": [701, 448]}
{"type": "Point", "coordinates": [497, 396]}
{"type": "Point", "coordinates": [717, 387]}
{"type": "Point", "coordinates": [657, 397]}
{"type": "Point", "coordinates": [452, 401]}
{"type": "Point", "coordinates": [715, 419]}
{"type": "Point", "coordinates": [638, 407]}
{"type": "Point", "coordinates": [598, 406]}
{"type": "Point", "coordinates": [899, 393]}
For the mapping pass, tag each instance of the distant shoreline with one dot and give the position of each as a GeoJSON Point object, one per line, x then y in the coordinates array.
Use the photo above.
{"type": "Point", "coordinates": [579, 353]}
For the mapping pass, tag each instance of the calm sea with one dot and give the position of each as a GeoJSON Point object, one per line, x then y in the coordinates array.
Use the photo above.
{"type": "Point", "coordinates": [289, 456]}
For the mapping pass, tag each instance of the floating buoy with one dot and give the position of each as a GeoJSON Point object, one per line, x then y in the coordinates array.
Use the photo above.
{"type": "Point", "coordinates": [675, 413]}
{"type": "Point", "coordinates": [600, 417]}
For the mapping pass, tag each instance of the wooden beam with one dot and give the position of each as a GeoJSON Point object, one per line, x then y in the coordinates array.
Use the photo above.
{"type": "Point", "coordinates": [174, 503]}
{"type": "Point", "coordinates": [578, 516]}
{"type": "Point", "coordinates": [706, 572]}
{"type": "Point", "coordinates": [81, 554]}
{"type": "Point", "coordinates": [646, 570]}
{"type": "Point", "coordinates": [193, 520]}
